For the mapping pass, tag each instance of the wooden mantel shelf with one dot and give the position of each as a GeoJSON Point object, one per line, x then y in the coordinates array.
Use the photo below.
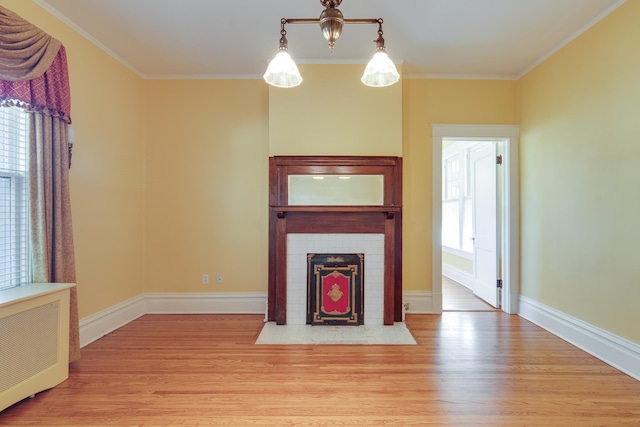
{"type": "Point", "coordinates": [283, 209]}
{"type": "Point", "coordinates": [300, 208]}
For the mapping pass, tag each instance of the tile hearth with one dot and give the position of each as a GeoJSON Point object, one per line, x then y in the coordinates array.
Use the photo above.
{"type": "Point", "coordinates": [397, 334]}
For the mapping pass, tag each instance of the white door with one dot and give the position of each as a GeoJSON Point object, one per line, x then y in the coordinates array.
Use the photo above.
{"type": "Point", "coordinates": [485, 203]}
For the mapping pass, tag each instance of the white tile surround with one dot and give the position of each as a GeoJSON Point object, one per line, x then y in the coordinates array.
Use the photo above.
{"type": "Point", "coordinates": [299, 245]}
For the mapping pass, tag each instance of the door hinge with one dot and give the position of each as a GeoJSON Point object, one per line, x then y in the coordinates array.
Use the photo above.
{"type": "Point", "coordinates": [499, 159]}
{"type": "Point", "coordinates": [500, 283]}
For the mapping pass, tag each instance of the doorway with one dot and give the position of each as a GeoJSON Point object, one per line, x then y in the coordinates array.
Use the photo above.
{"type": "Point", "coordinates": [470, 224]}
{"type": "Point", "coordinates": [506, 142]}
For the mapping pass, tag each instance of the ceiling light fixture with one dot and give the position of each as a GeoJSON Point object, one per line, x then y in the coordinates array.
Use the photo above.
{"type": "Point", "coordinates": [283, 72]}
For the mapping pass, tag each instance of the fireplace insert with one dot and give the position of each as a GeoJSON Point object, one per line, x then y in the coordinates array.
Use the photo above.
{"type": "Point", "coordinates": [335, 289]}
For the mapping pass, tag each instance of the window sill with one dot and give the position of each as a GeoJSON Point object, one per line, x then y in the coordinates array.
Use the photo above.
{"type": "Point", "coordinates": [32, 290]}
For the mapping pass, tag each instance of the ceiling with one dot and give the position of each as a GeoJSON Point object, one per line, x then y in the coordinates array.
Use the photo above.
{"type": "Point", "coordinates": [498, 39]}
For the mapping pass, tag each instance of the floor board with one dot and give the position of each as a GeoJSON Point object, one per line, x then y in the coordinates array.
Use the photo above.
{"type": "Point", "coordinates": [456, 297]}
{"type": "Point", "coordinates": [469, 368]}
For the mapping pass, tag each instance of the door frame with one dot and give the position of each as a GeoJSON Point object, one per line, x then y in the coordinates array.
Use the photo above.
{"type": "Point", "coordinates": [507, 137]}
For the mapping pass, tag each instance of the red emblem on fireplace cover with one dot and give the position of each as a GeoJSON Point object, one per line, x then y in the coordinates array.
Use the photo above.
{"type": "Point", "coordinates": [335, 293]}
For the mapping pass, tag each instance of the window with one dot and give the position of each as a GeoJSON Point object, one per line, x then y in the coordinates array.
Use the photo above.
{"type": "Point", "coordinates": [456, 198]}
{"type": "Point", "coordinates": [14, 191]}
{"type": "Point", "coordinates": [451, 178]}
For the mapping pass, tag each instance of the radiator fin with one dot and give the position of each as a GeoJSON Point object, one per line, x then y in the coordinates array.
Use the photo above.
{"type": "Point", "coordinates": [28, 344]}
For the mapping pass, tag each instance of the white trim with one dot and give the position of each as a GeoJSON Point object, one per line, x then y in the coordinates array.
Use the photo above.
{"type": "Point", "coordinates": [223, 303]}
{"type": "Point", "coordinates": [432, 76]}
{"type": "Point", "coordinates": [10, 296]}
{"type": "Point", "coordinates": [418, 302]}
{"type": "Point", "coordinates": [435, 76]}
{"type": "Point", "coordinates": [464, 278]}
{"type": "Point", "coordinates": [203, 76]}
{"type": "Point", "coordinates": [106, 321]}
{"type": "Point", "coordinates": [572, 37]}
{"type": "Point", "coordinates": [474, 132]}
{"type": "Point", "coordinates": [507, 135]}
{"type": "Point", "coordinates": [618, 352]}
{"type": "Point", "coordinates": [510, 232]}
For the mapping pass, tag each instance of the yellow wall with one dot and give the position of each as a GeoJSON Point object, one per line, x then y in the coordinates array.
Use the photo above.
{"type": "Point", "coordinates": [207, 185]}
{"type": "Point", "coordinates": [170, 177]}
{"type": "Point", "coordinates": [332, 113]}
{"type": "Point", "coordinates": [426, 102]}
{"type": "Point", "coordinates": [580, 175]}
{"type": "Point", "coordinates": [207, 176]}
{"type": "Point", "coordinates": [106, 178]}
{"type": "Point", "coordinates": [457, 262]}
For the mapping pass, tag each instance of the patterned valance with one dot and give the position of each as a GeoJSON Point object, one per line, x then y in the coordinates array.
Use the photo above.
{"type": "Point", "coordinates": [33, 68]}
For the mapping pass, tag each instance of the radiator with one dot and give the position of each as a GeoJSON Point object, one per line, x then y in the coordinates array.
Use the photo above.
{"type": "Point", "coordinates": [34, 340]}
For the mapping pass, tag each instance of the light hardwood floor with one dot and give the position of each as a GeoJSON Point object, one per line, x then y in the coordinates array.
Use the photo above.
{"type": "Point", "coordinates": [469, 368]}
{"type": "Point", "coordinates": [456, 297]}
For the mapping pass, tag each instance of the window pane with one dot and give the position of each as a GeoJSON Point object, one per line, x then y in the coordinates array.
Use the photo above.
{"type": "Point", "coordinates": [451, 224]}
{"type": "Point", "coordinates": [14, 237]}
{"type": "Point", "coordinates": [451, 178]}
{"type": "Point", "coordinates": [467, 232]}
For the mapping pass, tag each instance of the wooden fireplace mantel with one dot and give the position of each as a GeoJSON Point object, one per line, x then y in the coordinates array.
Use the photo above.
{"type": "Point", "coordinates": [385, 219]}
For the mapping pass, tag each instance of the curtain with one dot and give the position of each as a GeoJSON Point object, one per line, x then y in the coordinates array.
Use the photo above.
{"type": "Point", "coordinates": [34, 75]}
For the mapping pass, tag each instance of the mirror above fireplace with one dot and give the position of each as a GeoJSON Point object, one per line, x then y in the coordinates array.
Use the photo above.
{"type": "Point", "coordinates": [336, 190]}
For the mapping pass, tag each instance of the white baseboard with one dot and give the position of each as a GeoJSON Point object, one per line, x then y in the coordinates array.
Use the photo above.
{"type": "Point", "coordinates": [464, 278]}
{"type": "Point", "coordinates": [201, 303]}
{"type": "Point", "coordinates": [420, 302]}
{"type": "Point", "coordinates": [618, 352]}
{"type": "Point", "coordinates": [106, 321]}
{"type": "Point", "coordinates": [98, 325]}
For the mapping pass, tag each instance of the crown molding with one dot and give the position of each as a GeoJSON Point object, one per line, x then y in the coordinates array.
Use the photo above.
{"type": "Point", "coordinates": [43, 4]}
{"type": "Point", "coordinates": [572, 37]}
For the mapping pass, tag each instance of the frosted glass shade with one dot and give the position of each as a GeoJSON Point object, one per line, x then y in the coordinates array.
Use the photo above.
{"type": "Point", "coordinates": [380, 71]}
{"type": "Point", "coordinates": [282, 71]}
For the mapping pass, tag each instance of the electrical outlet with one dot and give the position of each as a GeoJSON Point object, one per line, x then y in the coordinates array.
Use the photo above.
{"type": "Point", "coordinates": [219, 279]}
{"type": "Point", "coordinates": [205, 279]}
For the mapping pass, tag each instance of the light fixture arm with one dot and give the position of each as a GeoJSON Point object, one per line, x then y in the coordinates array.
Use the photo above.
{"type": "Point", "coordinates": [284, 43]}
{"type": "Point", "coordinates": [380, 40]}
{"type": "Point", "coordinates": [317, 21]}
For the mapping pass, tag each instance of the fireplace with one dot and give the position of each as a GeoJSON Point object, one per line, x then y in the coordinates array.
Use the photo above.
{"type": "Point", "coordinates": [380, 223]}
